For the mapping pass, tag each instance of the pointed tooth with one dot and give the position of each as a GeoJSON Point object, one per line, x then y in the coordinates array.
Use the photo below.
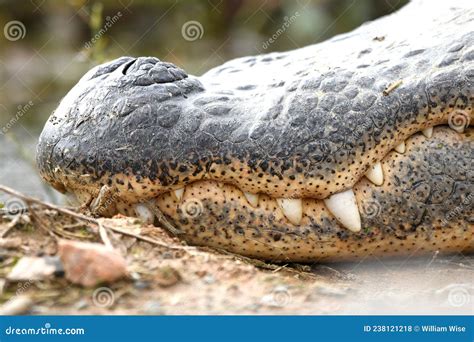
{"type": "Point", "coordinates": [251, 198]}
{"type": "Point", "coordinates": [375, 174]}
{"type": "Point", "coordinates": [178, 193]}
{"type": "Point", "coordinates": [343, 206]}
{"type": "Point", "coordinates": [428, 132]}
{"type": "Point", "coordinates": [292, 209]}
{"type": "Point", "coordinates": [144, 213]}
{"type": "Point", "coordinates": [400, 148]}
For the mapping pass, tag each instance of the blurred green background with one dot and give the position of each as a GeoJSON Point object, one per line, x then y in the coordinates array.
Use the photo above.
{"type": "Point", "coordinates": [46, 46]}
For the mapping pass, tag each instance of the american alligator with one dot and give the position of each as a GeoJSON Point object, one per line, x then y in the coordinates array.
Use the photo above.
{"type": "Point", "coordinates": [356, 146]}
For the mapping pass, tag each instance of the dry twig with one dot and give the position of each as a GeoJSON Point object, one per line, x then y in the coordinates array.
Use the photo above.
{"type": "Point", "coordinates": [102, 228]}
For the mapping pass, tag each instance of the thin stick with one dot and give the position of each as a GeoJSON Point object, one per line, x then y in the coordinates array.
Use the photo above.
{"type": "Point", "coordinates": [11, 225]}
{"type": "Point", "coordinates": [391, 87]}
{"type": "Point", "coordinates": [82, 217]}
{"type": "Point", "coordinates": [47, 205]}
{"type": "Point", "coordinates": [146, 239]}
{"type": "Point", "coordinates": [162, 219]}
{"type": "Point", "coordinates": [104, 236]}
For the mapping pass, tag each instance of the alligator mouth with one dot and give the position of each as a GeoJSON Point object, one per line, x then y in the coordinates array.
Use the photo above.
{"type": "Point", "coordinates": [343, 206]}
{"type": "Point", "coordinates": [389, 201]}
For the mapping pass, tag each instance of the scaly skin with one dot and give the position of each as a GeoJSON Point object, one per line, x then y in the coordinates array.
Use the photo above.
{"type": "Point", "coordinates": [303, 124]}
{"type": "Point", "coordinates": [407, 216]}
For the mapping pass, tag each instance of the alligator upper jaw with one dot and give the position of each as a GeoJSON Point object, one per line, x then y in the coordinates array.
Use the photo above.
{"type": "Point", "coordinates": [339, 200]}
{"type": "Point", "coordinates": [77, 151]}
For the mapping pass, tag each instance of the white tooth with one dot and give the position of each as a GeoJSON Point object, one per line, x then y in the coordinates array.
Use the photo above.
{"type": "Point", "coordinates": [428, 132]}
{"type": "Point", "coordinates": [144, 213]}
{"type": "Point", "coordinates": [375, 174]}
{"type": "Point", "coordinates": [343, 206]}
{"type": "Point", "coordinates": [179, 194]}
{"type": "Point", "coordinates": [292, 209]}
{"type": "Point", "coordinates": [251, 198]}
{"type": "Point", "coordinates": [400, 148]}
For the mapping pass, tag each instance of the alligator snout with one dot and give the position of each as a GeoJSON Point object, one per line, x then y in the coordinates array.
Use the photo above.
{"type": "Point", "coordinates": [318, 153]}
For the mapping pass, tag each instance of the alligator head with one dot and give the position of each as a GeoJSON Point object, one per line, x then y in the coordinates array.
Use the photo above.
{"type": "Point", "coordinates": [358, 145]}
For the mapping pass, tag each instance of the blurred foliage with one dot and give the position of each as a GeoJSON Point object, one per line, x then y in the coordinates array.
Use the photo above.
{"type": "Point", "coordinates": [60, 43]}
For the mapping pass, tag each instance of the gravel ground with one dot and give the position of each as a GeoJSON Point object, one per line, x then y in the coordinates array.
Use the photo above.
{"type": "Point", "coordinates": [179, 279]}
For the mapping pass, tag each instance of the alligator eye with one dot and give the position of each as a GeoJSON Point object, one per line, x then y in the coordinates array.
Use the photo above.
{"type": "Point", "coordinates": [127, 66]}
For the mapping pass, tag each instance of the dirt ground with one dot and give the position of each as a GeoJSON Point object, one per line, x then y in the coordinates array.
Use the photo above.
{"type": "Point", "coordinates": [170, 278]}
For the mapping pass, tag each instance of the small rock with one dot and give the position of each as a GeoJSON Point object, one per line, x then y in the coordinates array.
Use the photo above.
{"type": "Point", "coordinates": [81, 304]}
{"type": "Point", "coordinates": [35, 268]}
{"type": "Point", "coordinates": [201, 273]}
{"type": "Point", "coordinates": [209, 279]}
{"type": "Point", "coordinates": [167, 276]}
{"type": "Point", "coordinates": [141, 284]}
{"type": "Point", "coordinates": [167, 255]}
{"type": "Point", "coordinates": [90, 264]}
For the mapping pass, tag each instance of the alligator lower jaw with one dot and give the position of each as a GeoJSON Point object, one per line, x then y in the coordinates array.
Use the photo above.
{"type": "Point", "coordinates": [395, 217]}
